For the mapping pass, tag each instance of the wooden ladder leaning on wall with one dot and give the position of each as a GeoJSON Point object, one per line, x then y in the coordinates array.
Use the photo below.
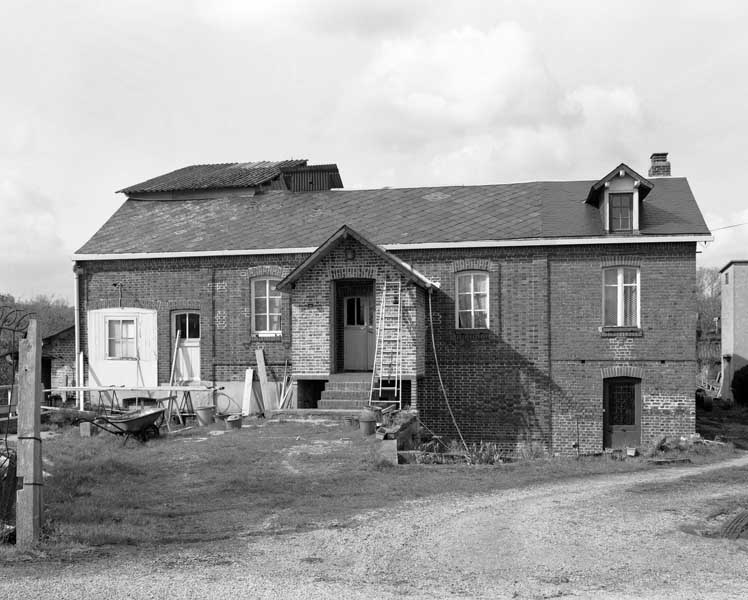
{"type": "Point", "coordinates": [388, 360]}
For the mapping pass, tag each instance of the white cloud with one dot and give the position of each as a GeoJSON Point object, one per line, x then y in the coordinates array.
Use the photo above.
{"type": "Point", "coordinates": [320, 16]}
{"type": "Point", "coordinates": [730, 229]}
{"type": "Point", "coordinates": [33, 254]}
{"type": "Point", "coordinates": [481, 106]}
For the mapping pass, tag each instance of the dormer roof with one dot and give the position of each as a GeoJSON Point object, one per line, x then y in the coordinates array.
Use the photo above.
{"type": "Point", "coordinates": [622, 170]}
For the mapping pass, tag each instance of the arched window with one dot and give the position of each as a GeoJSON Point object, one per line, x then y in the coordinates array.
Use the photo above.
{"type": "Point", "coordinates": [621, 297]}
{"type": "Point", "coordinates": [472, 300]}
{"type": "Point", "coordinates": [266, 307]}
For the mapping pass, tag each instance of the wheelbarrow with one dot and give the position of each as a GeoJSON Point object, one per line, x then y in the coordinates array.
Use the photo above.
{"type": "Point", "coordinates": [142, 425]}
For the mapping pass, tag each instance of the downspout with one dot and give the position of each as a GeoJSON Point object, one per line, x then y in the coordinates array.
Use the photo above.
{"type": "Point", "coordinates": [78, 363]}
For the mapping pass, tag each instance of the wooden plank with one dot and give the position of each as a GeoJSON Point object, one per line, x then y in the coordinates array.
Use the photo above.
{"type": "Point", "coordinates": [174, 358]}
{"type": "Point", "coordinates": [269, 388]}
{"type": "Point", "coordinates": [172, 403]}
{"type": "Point", "coordinates": [164, 387]}
{"type": "Point", "coordinates": [247, 395]}
{"type": "Point", "coordinates": [29, 509]}
{"type": "Point", "coordinates": [261, 371]}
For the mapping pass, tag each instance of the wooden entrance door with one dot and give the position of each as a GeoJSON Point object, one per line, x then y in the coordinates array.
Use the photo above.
{"type": "Point", "coordinates": [622, 412]}
{"type": "Point", "coordinates": [358, 334]}
{"type": "Point", "coordinates": [188, 349]}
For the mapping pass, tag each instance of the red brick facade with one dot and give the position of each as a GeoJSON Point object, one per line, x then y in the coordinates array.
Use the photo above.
{"type": "Point", "coordinates": [535, 376]}
{"type": "Point", "coordinates": [60, 351]}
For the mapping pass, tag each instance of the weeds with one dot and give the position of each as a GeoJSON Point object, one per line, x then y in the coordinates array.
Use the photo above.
{"type": "Point", "coordinates": [269, 479]}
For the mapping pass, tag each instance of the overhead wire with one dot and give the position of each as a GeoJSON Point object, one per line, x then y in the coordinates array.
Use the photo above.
{"type": "Point", "coordinates": [728, 227]}
{"type": "Point", "coordinates": [441, 382]}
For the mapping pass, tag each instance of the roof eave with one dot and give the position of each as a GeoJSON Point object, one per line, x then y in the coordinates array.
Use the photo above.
{"type": "Point", "coordinates": [642, 238]}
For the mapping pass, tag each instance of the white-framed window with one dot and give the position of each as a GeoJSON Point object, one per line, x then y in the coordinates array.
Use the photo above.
{"type": "Point", "coordinates": [472, 300]}
{"type": "Point", "coordinates": [188, 325]}
{"type": "Point", "coordinates": [621, 300]}
{"type": "Point", "coordinates": [621, 211]}
{"type": "Point", "coordinates": [120, 338]}
{"type": "Point", "coordinates": [266, 307]}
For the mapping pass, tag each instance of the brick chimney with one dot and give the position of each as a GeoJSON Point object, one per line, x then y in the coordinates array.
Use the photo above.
{"type": "Point", "coordinates": [660, 165]}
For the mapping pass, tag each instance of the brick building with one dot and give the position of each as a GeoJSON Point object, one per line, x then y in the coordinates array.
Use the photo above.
{"type": "Point", "coordinates": [562, 313]}
{"type": "Point", "coordinates": [58, 360]}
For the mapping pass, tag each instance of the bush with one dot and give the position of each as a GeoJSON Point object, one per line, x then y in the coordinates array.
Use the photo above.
{"type": "Point", "coordinates": [739, 386]}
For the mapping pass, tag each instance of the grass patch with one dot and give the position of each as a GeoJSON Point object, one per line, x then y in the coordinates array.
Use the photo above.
{"type": "Point", "coordinates": [728, 422]}
{"type": "Point", "coordinates": [264, 479]}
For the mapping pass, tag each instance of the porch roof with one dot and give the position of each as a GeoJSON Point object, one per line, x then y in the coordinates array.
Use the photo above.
{"type": "Point", "coordinates": [344, 232]}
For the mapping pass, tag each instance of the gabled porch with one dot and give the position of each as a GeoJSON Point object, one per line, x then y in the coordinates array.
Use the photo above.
{"type": "Point", "coordinates": [357, 311]}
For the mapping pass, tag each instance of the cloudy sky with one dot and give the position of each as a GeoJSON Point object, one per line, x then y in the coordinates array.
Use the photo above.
{"type": "Point", "coordinates": [98, 95]}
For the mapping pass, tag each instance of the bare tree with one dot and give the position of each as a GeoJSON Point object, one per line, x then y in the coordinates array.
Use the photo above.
{"type": "Point", "coordinates": [708, 300]}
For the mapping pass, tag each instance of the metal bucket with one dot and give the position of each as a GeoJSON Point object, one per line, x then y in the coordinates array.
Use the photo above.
{"type": "Point", "coordinates": [234, 422]}
{"type": "Point", "coordinates": [204, 415]}
{"type": "Point", "coordinates": [368, 422]}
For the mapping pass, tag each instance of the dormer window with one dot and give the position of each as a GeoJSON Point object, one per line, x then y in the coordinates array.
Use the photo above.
{"type": "Point", "coordinates": [618, 197]}
{"type": "Point", "coordinates": [621, 212]}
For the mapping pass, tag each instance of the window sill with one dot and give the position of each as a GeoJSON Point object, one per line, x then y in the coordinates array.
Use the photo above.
{"type": "Point", "coordinates": [473, 332]}
{"type": "Point", "coordinates": [609, 332]}
{"type": "Point", "coordinates": [121, 358]}
{"type": "Point", "coordinates": [267, 336]}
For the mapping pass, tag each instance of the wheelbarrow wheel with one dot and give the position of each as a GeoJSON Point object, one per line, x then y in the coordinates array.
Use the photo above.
{"type": "Point", "coordinates": [151, 432]}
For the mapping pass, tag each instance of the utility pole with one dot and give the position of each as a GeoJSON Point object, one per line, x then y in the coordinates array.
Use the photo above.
{"type": "Point", "coordinates": [29, 496]}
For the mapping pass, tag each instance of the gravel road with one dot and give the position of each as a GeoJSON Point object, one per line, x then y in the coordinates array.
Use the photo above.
{"type": "Point", "coordinates": [598, 537]}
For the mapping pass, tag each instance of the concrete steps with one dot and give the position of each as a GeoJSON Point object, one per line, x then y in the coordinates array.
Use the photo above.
{"type": "Point", "coordinates": [346, 391]}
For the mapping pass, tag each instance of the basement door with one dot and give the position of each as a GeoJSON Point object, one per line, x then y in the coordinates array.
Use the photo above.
{"type": "Point", "coordinates": [621, 412]}
{"type": "Point", "coordinates": [358, 334]}
{"type": "Point", "coordinates": [187, 368]}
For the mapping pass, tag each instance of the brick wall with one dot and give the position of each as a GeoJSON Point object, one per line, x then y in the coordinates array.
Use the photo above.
{"type": "Point", "coordinates": [313, 320]}
{"type": "Point", "coordinates": [534, 377]}
{"type": "Point", "coordinates": [537, 373]}
{"type": "Point", "coordinates": [61, 350]}
{"type": "Point", "coordinates": [218, 288]}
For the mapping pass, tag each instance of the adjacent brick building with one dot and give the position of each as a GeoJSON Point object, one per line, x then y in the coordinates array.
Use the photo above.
{"type": "Point", "coordinates": [734, 276]}
{"type": "Point", "coordinates": [562, 313]}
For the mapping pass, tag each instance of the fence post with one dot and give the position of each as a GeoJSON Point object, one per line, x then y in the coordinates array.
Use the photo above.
{"type": "Point", "coordinates": [29, 496]}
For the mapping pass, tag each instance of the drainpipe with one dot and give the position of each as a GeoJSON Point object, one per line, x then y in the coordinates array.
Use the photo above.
{"type": "Point", "coordinates": [78, 363]}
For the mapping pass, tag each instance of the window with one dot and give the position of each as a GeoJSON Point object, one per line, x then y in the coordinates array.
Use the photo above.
{"type": "Point", "coordinates": [266, 305]}
{"type": "Point", "coordinates": [121, 338]}
{"type": "Point", "coordinates": [622, 402]}
{"type": "Point", "coordinates": [472, 300]}
{"type": "Point", "coordinates": [621, 297]}
{"type": "Point", "coordinates": [621, 212]}
{"type": "Point", "coordinates": [354, 311]}
{"type": "Point", "coordinates": [188, 325]}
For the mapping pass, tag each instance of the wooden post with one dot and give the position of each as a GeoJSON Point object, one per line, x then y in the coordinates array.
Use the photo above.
{"type": "Point", "coordinates": [29, 496]}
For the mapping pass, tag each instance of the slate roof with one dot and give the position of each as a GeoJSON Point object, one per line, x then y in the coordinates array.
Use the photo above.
{"type": "Point", "coordinates": [279, 220]}
{"type": "Point", "coordinates": [223, 175]}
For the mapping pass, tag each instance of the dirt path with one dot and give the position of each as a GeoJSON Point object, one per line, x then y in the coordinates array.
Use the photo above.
{"type": "Point", "coordinates": [602, 537]}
